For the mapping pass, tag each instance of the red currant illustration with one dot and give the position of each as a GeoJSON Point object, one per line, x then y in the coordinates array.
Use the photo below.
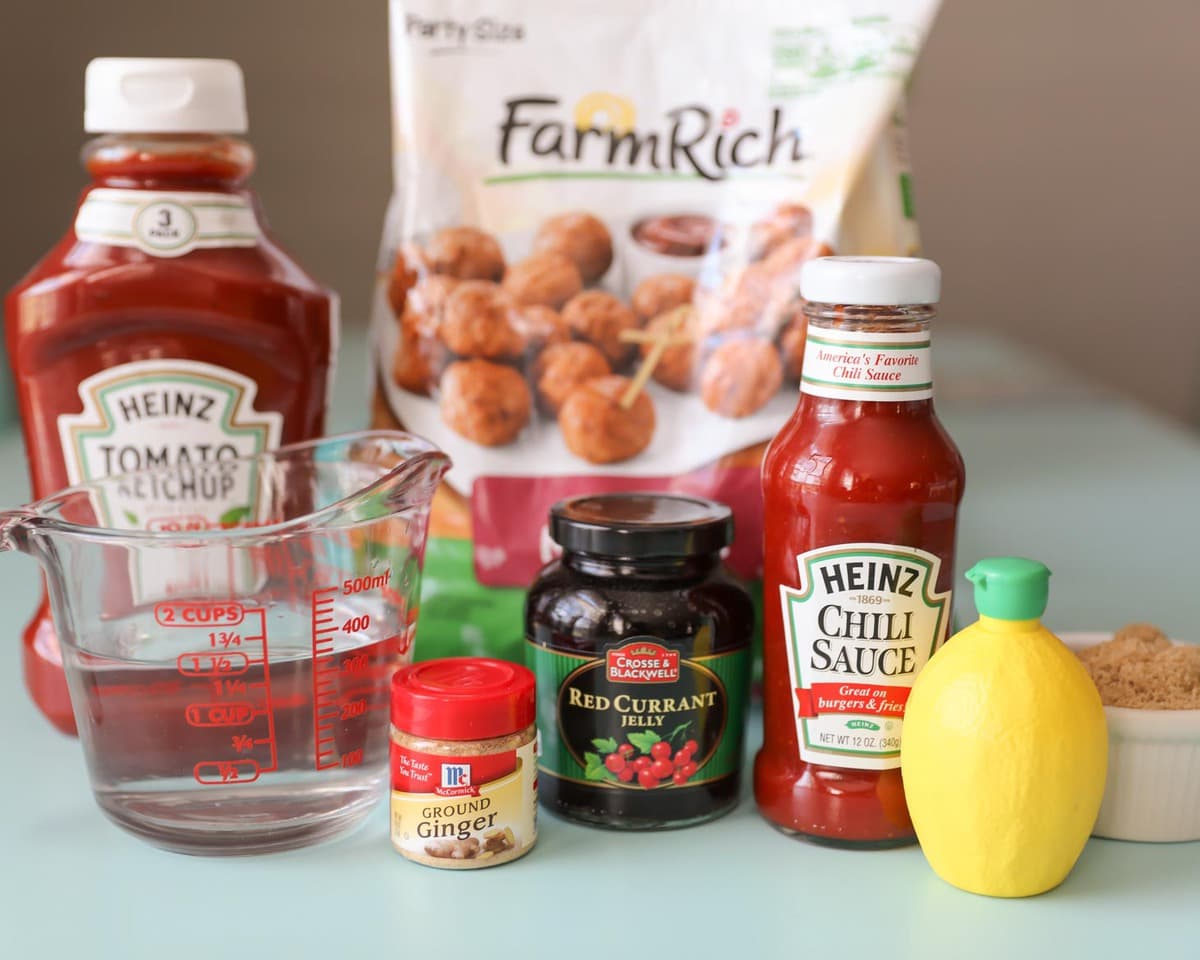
{"type": "Point", "coordinates": [691, 747]}
{"type": "Point", "coordinates": [626, 774]}
{"type": "Point", "coordinates": [647, 780]}
{"type": "Point", "coordinates": [615, 762]}
{"type": "Point", "coordinates": [681, 757]}
{"type": "Point", "coordinates": [626, 749]}
{"type": "Point", "coordinates": [661, 769]}
{"type": "Point", "coordinates": [642, 763]}
{"type": "Point", "coordinates": [679, 777]}
{"type": "Point", "coordinates": [687, 769]}
{"type": "Point", "coordinates": [661, 750]}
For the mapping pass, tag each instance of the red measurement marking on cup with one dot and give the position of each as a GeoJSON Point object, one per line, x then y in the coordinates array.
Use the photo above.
{"type": "Point", "coordinates": [205, 664]}
{"type": "Point", "coordinates": [215, 613]}
{"type": "Point", "coordinates": [327, 708]}
{"type": "Point", "coordinates": [226, 771]}
{"type": "Point", "coordinates": [229, 674]}
{"type": "Point", "coordinates": [219, 714]}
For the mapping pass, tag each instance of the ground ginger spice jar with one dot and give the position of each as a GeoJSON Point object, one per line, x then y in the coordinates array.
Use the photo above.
{"type": "Point", "coordinates": [640, 639]}
{"type": "Point", "coordinates": [463, 762]}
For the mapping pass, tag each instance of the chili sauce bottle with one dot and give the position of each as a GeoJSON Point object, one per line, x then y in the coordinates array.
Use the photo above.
{"type": "Point", "coordinates": [167, 326]}
{"type": "Point", "coordinates": [861, 494]}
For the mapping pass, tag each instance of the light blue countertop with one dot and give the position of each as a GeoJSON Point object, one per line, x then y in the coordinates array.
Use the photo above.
{"type": "Point", "coordinates": [1104, 493]}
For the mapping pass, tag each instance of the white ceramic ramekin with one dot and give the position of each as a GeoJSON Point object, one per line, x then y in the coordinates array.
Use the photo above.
{"type": "Point", "coordinates": [1153, 788]}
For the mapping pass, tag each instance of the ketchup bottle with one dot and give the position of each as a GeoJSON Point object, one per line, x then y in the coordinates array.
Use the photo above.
{"type": "Point", "coordinates": [861, 492]}
{"type": "Point", "coordinates": [167, 326]}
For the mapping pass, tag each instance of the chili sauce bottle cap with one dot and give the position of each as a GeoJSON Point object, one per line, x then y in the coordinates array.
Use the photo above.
{"type": "Point", "coordinates": [463, 698]}
{"type": "Point", "coordinates": [871, 281]}
{"type": "Point", "coordinates": [1010, 588]}
{"type": "Point", "coordinates": [141, 95]}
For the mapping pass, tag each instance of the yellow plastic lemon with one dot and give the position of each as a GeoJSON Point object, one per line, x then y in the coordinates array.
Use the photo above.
{"type": "Point", "coordinates": [1005, 747]}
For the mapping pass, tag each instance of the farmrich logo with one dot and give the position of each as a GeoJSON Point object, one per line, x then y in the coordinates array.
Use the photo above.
{"type": "Point", "coordinates": [642, 661]}
{"type": "Point", "coordinates": [603, 136]}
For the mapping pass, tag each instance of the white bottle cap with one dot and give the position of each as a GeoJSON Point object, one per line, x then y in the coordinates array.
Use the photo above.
{"type": "Point", "coordinates": [136, 95]}
{"type": "Point", "coordinates": [871, 281]}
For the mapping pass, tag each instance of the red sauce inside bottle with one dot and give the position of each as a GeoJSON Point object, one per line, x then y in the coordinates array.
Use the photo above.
{"type": "Point", "coordinates": [845, 471]}
{"type": "Point", "coordinates": [90, 306]}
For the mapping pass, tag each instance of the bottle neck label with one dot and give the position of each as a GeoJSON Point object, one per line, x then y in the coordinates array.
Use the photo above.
{"type": "Point", "coordinates": [858, 365]}
{"type": "Point", "coordinates": [166, 224]}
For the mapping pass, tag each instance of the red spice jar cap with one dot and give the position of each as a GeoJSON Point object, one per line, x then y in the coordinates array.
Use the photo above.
{"type": "Point", "coordinates": [463, 698]}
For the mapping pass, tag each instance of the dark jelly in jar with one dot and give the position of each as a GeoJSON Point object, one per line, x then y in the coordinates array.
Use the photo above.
{"type": "Point", "coordinates": [640, 639]}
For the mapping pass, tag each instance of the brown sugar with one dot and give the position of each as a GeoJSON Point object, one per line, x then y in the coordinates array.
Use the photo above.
{"type": "Point", "coordinates": [1139, 667]}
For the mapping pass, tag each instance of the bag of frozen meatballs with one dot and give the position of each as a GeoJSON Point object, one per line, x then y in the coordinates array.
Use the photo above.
{"type": "Point", "coordinates": [587, 280]}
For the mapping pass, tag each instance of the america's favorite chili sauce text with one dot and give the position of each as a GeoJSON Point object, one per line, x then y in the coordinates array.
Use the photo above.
{"type": "Point", "coordinates": [861, 493]}
{"type": "Point", "coordinates": [166, 326]}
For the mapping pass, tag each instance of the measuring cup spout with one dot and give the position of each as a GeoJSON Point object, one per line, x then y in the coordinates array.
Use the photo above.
{"type": "Point", "coordinates": [14, 530]}
{"type": "Point", "coordinates": [412, 485]}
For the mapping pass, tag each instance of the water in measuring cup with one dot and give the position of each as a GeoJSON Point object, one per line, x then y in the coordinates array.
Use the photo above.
{"type": "Point", "coordinates": [196, 744]}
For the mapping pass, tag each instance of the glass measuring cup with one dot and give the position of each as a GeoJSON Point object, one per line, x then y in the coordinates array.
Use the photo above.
{"type": "Point", "coordinates": [230, 680]}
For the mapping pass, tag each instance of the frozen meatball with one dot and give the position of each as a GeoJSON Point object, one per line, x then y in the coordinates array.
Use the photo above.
{"type": "Point", "coordinates": [546, 279]}
{"type": "Point", "coordinates": [786, 221]}
{"type": "Point", "coordinates": [744, 301]}
{"type": "Point", "coordinates": [429, 297]}
{"type": "Point", "coordinates": [582, 238]}
{"type": "Point", "coordinates": [406, 269]}
{"type": "Point", "coordinates": [661, 293]}
{"type": "Point", "coordinates": [564, 366]}
{"type": "Point", "coordinates": [601, 318]}
{"type": "Point", "coordinates": [791, 344]}
{"type": "Point", "coordinates": [465, 253]}
{"type": "Point", "coordinates": [677, 365]}
{"type": "Point", "coordinates": [541, 326]}
{"type": "Point", "coordinates": [596, 427]}
{"type": "Point", "coordinates": [485, 402]}
{"type": "Point", "coordinates": [786, 259]}
{"type": "Point", "coordinates": [419, 356]}
{"type": "Point", "coordinates": [740, 376]}
{"type": "Point", "coordinates": [479, 321]}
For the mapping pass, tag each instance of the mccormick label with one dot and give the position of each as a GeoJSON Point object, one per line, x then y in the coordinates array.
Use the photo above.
{"type": "Point", "coordinates": [848, 365]}
{"type": "Point", "coordinates": [865, 620]}
{"type": "Point", "coordinates": [643, 700]}
{"type": "Point", "coordinates": [187, 423]}
{"type": "Point", "coordinates": [166, 224]}
{"type": "Point", "coordinates": [463, 811]}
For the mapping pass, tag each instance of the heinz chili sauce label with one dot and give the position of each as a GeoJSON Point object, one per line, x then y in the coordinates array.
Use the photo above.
{"type": "Point", "coordinates": [866, 619]}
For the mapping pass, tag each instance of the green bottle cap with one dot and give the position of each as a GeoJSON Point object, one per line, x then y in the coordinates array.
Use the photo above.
{"type": "Point", "coordinates": [1010, 588]}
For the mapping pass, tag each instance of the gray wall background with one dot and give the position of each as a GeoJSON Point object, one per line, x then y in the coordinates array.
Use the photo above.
{"type": "Point", "coordinates": [1056, 146]}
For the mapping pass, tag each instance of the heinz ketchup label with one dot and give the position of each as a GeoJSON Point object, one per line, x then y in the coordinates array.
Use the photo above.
{"type": "Point", "coordinates": [166, 416]}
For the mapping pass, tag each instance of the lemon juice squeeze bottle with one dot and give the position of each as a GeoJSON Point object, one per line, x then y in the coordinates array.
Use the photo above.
{"type": "Point", "coordinates": [1005, 746]}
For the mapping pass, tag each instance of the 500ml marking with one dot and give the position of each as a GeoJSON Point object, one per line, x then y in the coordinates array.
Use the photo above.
{"type": "Point", "coordinates": [230, 700]}
{"type": "Point", "coordinates": [330, 705]}
{"type": "Point", "coordinates": [363, 584]}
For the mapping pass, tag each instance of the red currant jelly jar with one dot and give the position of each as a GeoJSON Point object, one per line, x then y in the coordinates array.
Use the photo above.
{"type": "Point", "coordinates": [640, 640]}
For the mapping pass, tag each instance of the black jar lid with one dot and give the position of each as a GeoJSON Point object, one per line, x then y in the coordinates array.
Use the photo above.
{"type": "Point", "coordinates": [641, 525]}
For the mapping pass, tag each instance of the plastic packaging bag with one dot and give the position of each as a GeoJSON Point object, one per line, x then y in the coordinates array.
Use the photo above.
{"type": "Point", "coordinates": [587, 276]}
